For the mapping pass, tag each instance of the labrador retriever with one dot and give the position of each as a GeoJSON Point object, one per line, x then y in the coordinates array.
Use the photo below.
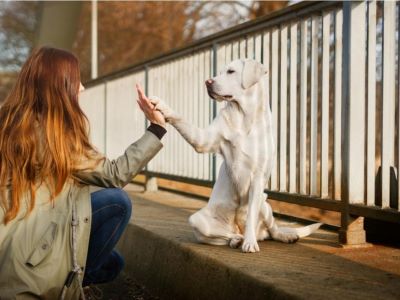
{"type": "Point", "coordinates": [237, 213]}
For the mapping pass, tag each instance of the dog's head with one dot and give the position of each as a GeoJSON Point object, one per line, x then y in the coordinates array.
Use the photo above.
{"type": "Point", "coordinates": [235, 79]}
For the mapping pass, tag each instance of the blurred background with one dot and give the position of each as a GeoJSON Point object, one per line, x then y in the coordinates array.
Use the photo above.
{"type": "Point", "coordinates": [127, 32]}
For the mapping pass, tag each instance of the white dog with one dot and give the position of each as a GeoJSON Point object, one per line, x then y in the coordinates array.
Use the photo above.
{"type": "Point", "coordinates": [236, 213]}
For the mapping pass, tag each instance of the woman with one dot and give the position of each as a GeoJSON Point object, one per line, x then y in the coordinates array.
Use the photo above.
{"type": "Point", "coordinates": [56, 236]}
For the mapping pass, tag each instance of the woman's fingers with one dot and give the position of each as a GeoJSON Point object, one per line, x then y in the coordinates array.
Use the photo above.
{"type": "Point", "coordinates": [140, 92]}
{"type": "Point", "coordinates": [140, 105]}
{"type": "Point", "coordinates": [143, 98]}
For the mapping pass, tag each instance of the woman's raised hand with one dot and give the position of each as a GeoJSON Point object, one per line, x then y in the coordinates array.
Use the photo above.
{"type": "Point", "coordinates": [153, 115]}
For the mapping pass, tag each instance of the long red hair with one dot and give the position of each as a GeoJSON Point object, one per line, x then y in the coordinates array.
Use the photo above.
{"type": "Point", "coordinates": [43, 131]}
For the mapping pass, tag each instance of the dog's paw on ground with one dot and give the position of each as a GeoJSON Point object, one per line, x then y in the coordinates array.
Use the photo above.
{"type": "Point", "coordinates": [236, 242]}
{"type": "Point", "coordinates": [286, 237]}
{"type": "Point", "coordinates": [250, 246]}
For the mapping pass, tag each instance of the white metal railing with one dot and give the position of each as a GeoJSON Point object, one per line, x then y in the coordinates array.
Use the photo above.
{"type": "Point", "coordinates": [333, 90]}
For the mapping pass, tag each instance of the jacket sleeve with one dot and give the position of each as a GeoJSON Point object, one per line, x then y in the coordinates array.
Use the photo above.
{"type": "Point", "coordinates": [119, 172]}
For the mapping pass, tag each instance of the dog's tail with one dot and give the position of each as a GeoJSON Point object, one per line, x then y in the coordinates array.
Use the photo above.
{"type": "Point", "coordinates": [301, 231]}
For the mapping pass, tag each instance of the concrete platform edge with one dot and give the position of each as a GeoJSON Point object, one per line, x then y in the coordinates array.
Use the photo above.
{"type": "Point", "coordinates": [173, 271]}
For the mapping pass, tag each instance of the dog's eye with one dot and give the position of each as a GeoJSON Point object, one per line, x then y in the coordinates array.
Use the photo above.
{"type": "Point", "coordinates": [231, 71]}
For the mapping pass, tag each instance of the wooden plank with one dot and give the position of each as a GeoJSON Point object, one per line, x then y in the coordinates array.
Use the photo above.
{"type": "Point", "coordinates": [303, 111]}
{"type": "Point", "coordinates": [283, 112]}
{"type": "Point", "coordinates": [325, 106]}
{"type": "Point", "coordinates": [274, 101]}
{"type": "Point", "coordinates": [388, 104]}
{"type": "Point", "coordinates": [314, 106]}
{"type": "Point", "coordinates": [293, 110]}
{"type": "Point", "coordinates": [371, 108]}
{"type": "Point", "coordinates": [337, 128]}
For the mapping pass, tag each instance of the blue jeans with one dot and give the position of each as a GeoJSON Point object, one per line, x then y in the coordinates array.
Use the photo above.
{"type": "Point", "coordinates": [111, 211]}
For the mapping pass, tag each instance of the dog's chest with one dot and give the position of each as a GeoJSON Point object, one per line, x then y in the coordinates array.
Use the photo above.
{"type": "Point", "coordinates": [245, 153]}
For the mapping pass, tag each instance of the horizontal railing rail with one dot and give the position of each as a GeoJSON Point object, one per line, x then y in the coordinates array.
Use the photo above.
{"type": "Point", "coordinates": [333, 88]}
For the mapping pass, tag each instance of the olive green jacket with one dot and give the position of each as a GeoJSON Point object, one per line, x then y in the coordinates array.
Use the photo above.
{"type": "Point", "coordinates": [36, 252]}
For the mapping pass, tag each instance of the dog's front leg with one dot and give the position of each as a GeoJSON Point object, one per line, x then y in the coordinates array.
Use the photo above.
{"type": "Point", "coordinates": [202, 140]}
{"type": "Point", "coordinates": [205, 140]}
{"type": "Point", "coordinates": [255, 201]}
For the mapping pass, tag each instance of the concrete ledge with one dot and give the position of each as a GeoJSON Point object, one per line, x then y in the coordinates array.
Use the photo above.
{"type": "Point", "coordinates": [160, 251]}
{"type": "Point", "coordinates": [175, 272]}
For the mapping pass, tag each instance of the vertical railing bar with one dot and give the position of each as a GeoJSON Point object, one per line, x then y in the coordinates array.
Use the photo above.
{"type": "Point", "coordinates": [214, 106]}
{"type": "Point", "coordinates": [266, 42]}
{"type": "Point", "coordinates": [314, 106]}
{"type": "Point", "coordinates": [179, 142]}
{"type": "Point", "coordinates": [196, 84]}
{"type": "Point", "coordinates": [345, 116]}
{"type": "Point", "coordinates": [105, 118]}
{"type": "Point", "coordinates": [274, 102]}
{"type": "Point", "coordinates": [185, 88]}
{"type": "Point", "coordinates": [353, 120]}
{"type": "Point", "coordinates": [200, 107]}
{"type": "Point", "coordinates": [398, 107]}
{"type": "Point", "coordinates": [262, 52]}
{"type": "Point", "coordinates": [146, 90]}
{"type": "Point", "coordinates": [258, 47]}
{"type": "Point", "coordinates": [254, 46]}
{"type": "Point", "coordinates": [303, 111]}
{"type": "Point", "coordinates": [324, 175]}
{"type": "Point", "coordinates": [172, 96]}
{"type": "Point", "coordinates": [283, 111]}
{"type": "Point", "coordinates": [388, 99]}
{"type": "Point", "coordinates": [169, 74]}
{"type": "Point", "coordinates": [337, 128]}
{"type": "Point", "coordinates": [371, 108]}
{"type": "Point", "coordinates": [190, 95]}
{"type": "Point", "coordinates": [246, 46]}
{"type": "Point", "coordinates": [293, 108]}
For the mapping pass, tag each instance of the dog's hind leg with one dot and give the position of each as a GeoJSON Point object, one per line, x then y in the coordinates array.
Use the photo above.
{"type": "Point", "coordinates": [275, 232]}
{"type": "Point", "coordinates": [209, 230]}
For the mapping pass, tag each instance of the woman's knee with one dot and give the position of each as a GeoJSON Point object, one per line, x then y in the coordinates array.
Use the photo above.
{"type": "Point", "coordinates": [111, 202]}
{"type": "Point", "coordinates": [121, 198]}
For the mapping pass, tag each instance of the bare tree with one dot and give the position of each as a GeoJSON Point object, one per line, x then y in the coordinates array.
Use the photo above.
{"type": "Point", "coordinates": [132, 32]}
{"type": "Point", "coordinates": [129, 32]}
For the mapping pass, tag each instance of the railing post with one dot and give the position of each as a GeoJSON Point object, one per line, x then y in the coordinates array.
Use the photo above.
{"type": "Point", "coordinates": [150, 181]}
{"type": "Point", "coordinates": [353, 121]}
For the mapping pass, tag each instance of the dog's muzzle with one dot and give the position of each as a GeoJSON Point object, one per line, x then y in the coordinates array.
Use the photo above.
{"type": "Point", "coordinates": [213, 94]}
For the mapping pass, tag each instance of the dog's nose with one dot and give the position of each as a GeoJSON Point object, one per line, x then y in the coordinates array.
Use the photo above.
{"type": "Point", "coordinates": [209, 82]}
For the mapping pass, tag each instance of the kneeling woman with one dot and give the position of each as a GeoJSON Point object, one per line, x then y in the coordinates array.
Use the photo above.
{"type": "Point", "coordinates": [56, 236]}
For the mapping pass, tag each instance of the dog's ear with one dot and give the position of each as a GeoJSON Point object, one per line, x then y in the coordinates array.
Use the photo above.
{"type": "Point", "coordinates": [252, 72]}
